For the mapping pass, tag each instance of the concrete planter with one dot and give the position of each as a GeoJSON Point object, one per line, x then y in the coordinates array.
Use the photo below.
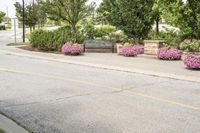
{"type": "Point", "coordinates": [184, 54]}
{"type": "Point", "coordinates": [119, 48]}
{"type": "Point", "coordinates": [151, 47]}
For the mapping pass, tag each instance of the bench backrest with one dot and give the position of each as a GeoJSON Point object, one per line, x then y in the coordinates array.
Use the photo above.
{"type": "Point", "coordinates": [98, 44]}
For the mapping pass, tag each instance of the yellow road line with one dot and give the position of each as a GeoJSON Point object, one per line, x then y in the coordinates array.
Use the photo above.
{"type": "Point", "coordinates": [165, 100]}
{"type": "Point", "coordinates": [114, 89]}
{"type": "Point", "coordinates": [57, 78]}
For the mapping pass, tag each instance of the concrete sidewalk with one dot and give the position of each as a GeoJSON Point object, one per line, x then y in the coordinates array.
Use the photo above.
{"type": "Point", "coordinates": [10, 126]}
{"type": "Point", "coordinates": [140, 64]}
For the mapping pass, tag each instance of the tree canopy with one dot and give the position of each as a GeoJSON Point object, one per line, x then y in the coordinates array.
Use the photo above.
{"type": "Point", "coordinates": [2, 15]}
{"type": "Point", "coordinates": [186, 16]}
{"type": "Point", "coordinates": [70, 11]}
{"type": "Point", "coordinates": [134, 17]}
{"type": "Point", "coordinates": [34, 14]}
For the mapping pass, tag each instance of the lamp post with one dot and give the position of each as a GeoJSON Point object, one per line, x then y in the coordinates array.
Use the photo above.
{"type": "Point", "coordinates": [23, 21]}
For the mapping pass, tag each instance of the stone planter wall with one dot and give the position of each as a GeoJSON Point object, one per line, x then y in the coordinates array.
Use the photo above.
{"type": "Point", "coordinates": [151, 47]}
{"type": "Point", "coordinates": [119, 48]}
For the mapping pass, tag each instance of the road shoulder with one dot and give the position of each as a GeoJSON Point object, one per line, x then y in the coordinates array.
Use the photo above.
{"type": "Point", "coordinates": [10, 126]}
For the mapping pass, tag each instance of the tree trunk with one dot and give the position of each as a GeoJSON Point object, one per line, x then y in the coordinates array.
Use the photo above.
{"type": "Point", "coordinates": [157, 24]}
{"type": "Point", "coordinates": [136, 40]}
{"type": "Point", "coordinates": [74, 28]}
{"type": "Point", "coordinates": [74, 31]}
{"type": "Point", "coordinates": [30, 28]}
{"type": "Point", "coordinates": [157, 27]}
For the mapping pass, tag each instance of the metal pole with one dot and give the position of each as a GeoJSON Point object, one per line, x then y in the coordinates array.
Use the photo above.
{"type": "Point", "coordinates": [23, 21]}
{"type": "Point", "coordinates": [15, 30]}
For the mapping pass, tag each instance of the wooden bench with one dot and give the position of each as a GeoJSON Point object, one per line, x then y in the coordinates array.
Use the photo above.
{"type": "Point", "coordinates": [101, 46]}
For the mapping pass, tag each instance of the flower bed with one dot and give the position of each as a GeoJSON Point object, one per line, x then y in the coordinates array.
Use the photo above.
{"type": "Point", "coordinates": [132, 51]}
{"type": "Point", "coordinates": [192, 61]}
{"type": "Point", "coordinates": [72, 49]}
{"type": "Point", "coordinates": [169, 54]}
{"type": "Point", "coordinates": [140, 50]}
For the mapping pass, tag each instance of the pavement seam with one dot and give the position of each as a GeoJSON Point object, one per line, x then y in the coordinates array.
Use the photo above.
{"type": "Point", "coordinates": [135, 87]}
{"type": "Point", "coordinates": [151, 73]}
{"type": "Point", "coordinates": [52, 100]}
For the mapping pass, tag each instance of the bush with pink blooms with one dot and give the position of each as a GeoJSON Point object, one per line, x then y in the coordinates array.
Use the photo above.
{"type": "Point", "coordinates": [192, 61]}
{"type": "Point", "coordinates": [139, 49]}
{"type": "Point", "coordinates": [169, 54]}
{"type": "Point", "coordinates": [72, 49]}
{"type": "Point", "coordinates": [132, 51]}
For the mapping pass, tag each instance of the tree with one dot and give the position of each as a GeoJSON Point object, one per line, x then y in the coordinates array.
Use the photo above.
{"type": "Point", "coordinates": [157, 14]}
{"type": "Point", "coordinates": [2, 15]}
{"type": "Point", "coordinates": [41, 13]}
{"type": "Point", "coordinates": [102, 13]}
{"type": "Point", "coordinates": [134, 17]}
{"type": "Point", "coordinates": [186, 16]}
{"type": "Point", "coordinates": [34, 14]}
{"type": "Point", "coordinates": [70, 11]}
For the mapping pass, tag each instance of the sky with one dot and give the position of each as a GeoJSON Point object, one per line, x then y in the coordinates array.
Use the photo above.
{"type": "Point", "coordinates": [8, 7]}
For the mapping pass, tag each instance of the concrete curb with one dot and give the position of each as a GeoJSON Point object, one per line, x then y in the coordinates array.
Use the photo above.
{"type": "Point", "coordinates": [10, 126]}
{"type": "Point", "coordinates": [101, 66]}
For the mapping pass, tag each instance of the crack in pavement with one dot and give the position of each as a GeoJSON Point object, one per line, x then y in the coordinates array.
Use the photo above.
{"type": "Point", "coordinates": [52, 100]}
{"type": "Point", "coordinates": [135, 87]}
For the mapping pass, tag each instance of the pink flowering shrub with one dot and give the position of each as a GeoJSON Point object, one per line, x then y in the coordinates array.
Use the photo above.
{"type": "Point", "coordinates": [132, 51]}
{"type": "Point", "coordinates": [72, 49]}
{"type": "Point", "coordinates": [192, 61]}
{"type": "Point", "coordinates": [139, 49]}
{"type": "Point", "coordinates": [169, 54]}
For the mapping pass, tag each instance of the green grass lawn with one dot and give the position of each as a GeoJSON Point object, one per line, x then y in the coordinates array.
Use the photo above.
{"type": "Point", "coordinates": [2, 131]}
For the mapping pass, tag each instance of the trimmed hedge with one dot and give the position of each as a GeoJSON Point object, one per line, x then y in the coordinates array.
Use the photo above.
{"type": "Point", "coordinates": [54, 40]}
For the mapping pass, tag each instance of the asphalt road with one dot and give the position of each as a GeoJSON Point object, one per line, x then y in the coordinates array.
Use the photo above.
{"type": "Point", "coordinates": [53, 97]}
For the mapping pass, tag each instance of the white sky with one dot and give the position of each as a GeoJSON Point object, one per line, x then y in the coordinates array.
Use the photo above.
{"type": "Point", "coordinates": [8, 5]}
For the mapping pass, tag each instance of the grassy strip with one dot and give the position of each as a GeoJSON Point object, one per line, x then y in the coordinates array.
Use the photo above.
{"type": "Point", "coordinates": [17, 44]}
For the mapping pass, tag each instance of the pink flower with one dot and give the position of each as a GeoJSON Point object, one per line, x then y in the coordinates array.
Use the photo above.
{"type": "Point", "coordinates": [169, 54]}
{"type": "Point", "coordinates": [192, 61]}
{"type": "Point", "coordinates": [72, 49]}
{"type": "Point", "coordinates": [132, 51]}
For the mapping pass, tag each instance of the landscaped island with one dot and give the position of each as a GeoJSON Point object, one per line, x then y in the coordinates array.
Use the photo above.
{"type": "Point", "coordinates": [133, 27]}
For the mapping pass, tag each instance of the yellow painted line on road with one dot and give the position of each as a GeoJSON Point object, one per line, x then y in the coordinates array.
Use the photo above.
{"type": "Point", "coordinates": [165, 100]}
{"type": "Point", "coordinates": [57, 78]}
{"type": "Point", "coordinates": [114, 89]}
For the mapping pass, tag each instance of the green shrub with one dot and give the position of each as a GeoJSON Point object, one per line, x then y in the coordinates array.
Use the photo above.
{"type": "Point", "coordinates": [2, 27]}
{"type": "Point", "coordinates": [42, 40]}
{"type": "Point", "coordinates": [53, 40]}
{"type": "Point", "coordinates": [89, 30]}
{"type": "Point", "coordinates": [190, 46]}
{"type": "Point", "coordinates": [61, 36]}
{"type": "Point", "coordinates": [118, 37]}
{"type": "Point", "coordinates": [168, 36]}
{"type": "Point", "coordinates": [104, 31]}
